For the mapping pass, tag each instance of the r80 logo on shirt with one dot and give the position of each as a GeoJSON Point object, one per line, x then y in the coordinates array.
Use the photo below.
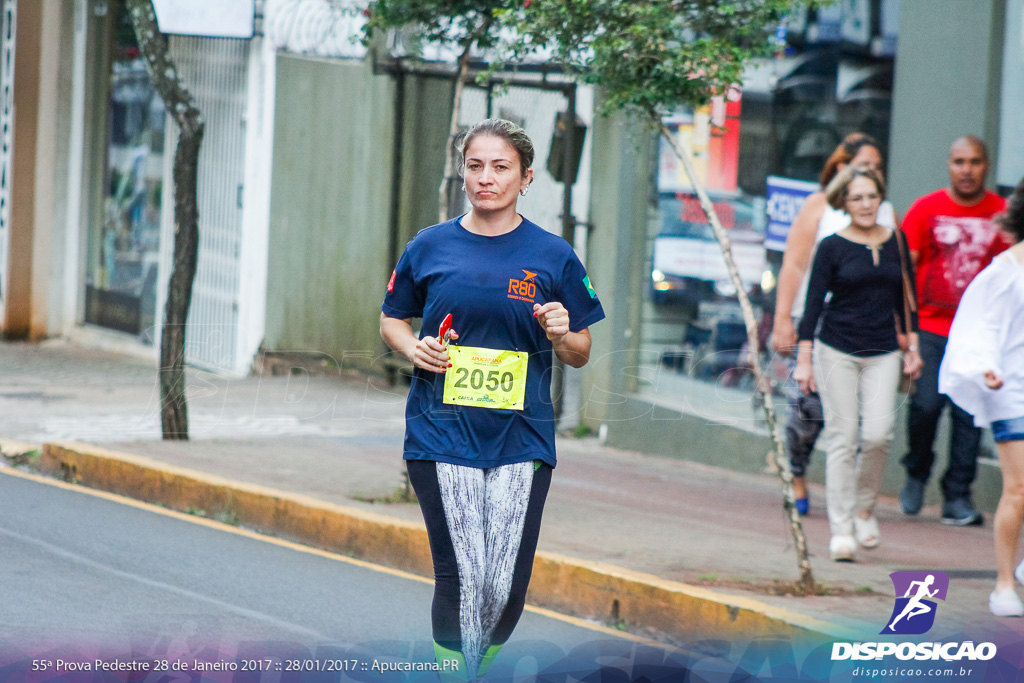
{"type": "Point", "coordinates": [525, 289]}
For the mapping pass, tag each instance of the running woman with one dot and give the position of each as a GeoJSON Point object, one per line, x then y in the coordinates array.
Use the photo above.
{"type": "Point", "coordinates": [982, 372]}
{"type": "Point", "coordinates": [480, 430]}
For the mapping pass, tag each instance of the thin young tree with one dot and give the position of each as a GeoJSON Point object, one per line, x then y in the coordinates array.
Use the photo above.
{"type": "Point", "coordinates": [457, 24]}
{"type": "Point", "coordinates": [178, 101]}
{"type": "Point", "coordinates": [652, 57]}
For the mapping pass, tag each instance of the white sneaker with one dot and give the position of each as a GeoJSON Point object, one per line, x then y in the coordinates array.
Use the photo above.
{"type": "Point", "coordinates": [866, 531]}
{"type": "Point", "coordinates": [842, 548]}
{"type": "Point", "coordinates": [1005, 604]}
{"type": "Point", "coordinates": [1019, 571]}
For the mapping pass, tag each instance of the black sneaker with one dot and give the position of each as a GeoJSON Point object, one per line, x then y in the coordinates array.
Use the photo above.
{"type": "Point", "coordinates": [912, 496]}
{"type": "Point", "coordinates": [960, 512]}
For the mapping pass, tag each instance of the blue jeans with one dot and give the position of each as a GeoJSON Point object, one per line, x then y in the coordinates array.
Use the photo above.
{"type": "Point", "coordinates": [926, 405]}
{"type": "Point", "coordinates": [1008, 430]}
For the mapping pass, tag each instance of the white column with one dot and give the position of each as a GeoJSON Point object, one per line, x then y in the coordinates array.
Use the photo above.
{"type": "Point", "coordinates": [1010, 168]}
{"type": "Point", "coordinates": [74, 255]}
{"type": "Point", "coordinates": [259, 148]}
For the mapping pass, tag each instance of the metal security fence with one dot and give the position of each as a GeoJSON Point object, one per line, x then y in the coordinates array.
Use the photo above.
{"type": "Point", "coordinates": [326, 28]}
{"type": "Point", "coordinates": [216, 72]}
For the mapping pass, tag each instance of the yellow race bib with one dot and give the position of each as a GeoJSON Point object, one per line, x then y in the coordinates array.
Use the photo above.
{"type": "Point", "coordinates": [486, 378]}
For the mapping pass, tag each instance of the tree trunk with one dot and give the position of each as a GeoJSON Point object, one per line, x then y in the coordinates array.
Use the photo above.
{"type": "Point", "coordinates": [444, 193]}
{"type": "Point", "coordinates": [179, 103]}
{"type": "Point", "coordinates": [754, 351]}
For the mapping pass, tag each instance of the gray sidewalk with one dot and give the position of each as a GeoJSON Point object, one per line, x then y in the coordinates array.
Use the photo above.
{"type": "Point", "coordinates": [339, 439]}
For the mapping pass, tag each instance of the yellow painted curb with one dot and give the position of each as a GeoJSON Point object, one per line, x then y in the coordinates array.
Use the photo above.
{"type": "Point", "coordinates": [12, 447]}
{"type": "Point", "coordinates": [584, 589]}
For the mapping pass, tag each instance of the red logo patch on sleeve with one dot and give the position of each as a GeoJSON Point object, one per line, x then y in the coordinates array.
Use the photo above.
{"type": "Point", "coordinates": [391, 282]}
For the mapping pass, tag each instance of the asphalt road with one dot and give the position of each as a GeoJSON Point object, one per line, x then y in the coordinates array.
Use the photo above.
{"type": "Point", "coordinates": [87, 576]}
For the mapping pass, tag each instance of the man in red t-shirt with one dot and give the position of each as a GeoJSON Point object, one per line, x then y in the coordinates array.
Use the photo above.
{"type": "Point", "coordinates": [951, 236]}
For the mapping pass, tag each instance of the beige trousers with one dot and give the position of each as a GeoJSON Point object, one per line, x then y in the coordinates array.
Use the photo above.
{"type": "Point", "coordinates": [858, 395]}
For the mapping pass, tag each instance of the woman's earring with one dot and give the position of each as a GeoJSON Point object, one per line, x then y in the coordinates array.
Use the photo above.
{"type": "Point", "coordinates": [522, 192]}
{"type": "Point", "coordinates": [463, 187]}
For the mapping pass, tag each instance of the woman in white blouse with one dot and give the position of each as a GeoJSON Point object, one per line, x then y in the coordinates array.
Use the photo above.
{"type": "Point", "coordinates": [983, 373]}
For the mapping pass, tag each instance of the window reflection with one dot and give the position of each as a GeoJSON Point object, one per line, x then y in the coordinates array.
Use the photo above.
{"type": "Point", "coordinates": [124, 248]}
{"type": "Point", "coordinates": [833, 76]}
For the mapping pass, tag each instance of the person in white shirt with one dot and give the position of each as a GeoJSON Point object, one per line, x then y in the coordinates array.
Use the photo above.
{"type": "Point", "coordinates": [982, 371]}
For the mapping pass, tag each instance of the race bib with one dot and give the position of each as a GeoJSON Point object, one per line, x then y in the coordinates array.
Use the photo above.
{"type": "Point", "coordinates": [486, 378]}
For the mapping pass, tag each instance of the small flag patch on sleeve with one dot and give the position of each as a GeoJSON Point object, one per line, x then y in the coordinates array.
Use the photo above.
{"type": "Point", "coordinates": [590, 288]}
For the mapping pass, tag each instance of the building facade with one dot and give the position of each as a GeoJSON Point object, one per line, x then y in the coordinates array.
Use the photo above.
{"type": "Point", "coordinates": [310, 182]}
{"type": "Point", "coordinates": [88, 245]}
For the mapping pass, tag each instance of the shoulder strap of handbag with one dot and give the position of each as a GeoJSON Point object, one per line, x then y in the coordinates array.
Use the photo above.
{"type": "Point", "coordinates": [909, 303]}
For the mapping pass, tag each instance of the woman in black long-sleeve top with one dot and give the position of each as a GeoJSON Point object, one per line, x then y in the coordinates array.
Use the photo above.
{"type": "Point", "coordinates": [855, 362]}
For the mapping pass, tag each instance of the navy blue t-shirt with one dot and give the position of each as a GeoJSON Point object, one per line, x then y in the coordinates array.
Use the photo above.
{"type": "Point", "coordinates": [484, 282]}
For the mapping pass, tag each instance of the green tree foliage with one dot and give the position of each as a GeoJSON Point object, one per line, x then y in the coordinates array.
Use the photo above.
{"type": "Point", "coordinates": [449, 23]}
{"type": "Point", "coordinates": [652, 55]}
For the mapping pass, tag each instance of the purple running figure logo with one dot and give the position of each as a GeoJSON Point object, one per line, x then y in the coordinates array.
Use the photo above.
{"type": "Point", "coordinates": [916, 592]}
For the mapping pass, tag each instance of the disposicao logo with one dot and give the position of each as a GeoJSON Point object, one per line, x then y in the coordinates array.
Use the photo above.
{"type": "Point", "coordinates": [914, 614]}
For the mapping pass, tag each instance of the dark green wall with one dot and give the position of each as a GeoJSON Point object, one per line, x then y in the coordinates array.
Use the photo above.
{"type": "Point", "coordinates": [332, 204]}
{"type": "Point", "coordinates": [425, 128]}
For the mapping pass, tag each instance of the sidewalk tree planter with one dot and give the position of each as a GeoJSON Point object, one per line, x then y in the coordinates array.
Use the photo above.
{"type": "Point", "coordinates": [180, 105]}
{"type": "Point", "coordinates": [649, 58]}
{"type": "Point", "coordinates": [458, 24]}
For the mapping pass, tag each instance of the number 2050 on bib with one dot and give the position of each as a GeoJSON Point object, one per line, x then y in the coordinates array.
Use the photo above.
{"type": "Point", "coordinates": [486, 378]}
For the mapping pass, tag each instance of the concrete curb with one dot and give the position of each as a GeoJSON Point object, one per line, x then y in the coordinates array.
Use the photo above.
{"type": "Point", "coordinates": [583, 589]}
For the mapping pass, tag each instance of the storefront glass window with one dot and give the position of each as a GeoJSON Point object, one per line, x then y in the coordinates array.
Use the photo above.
{"type": "Point", "coordinates": [759, 152]}
{"type": "Point", "coordinates": [123, 249]}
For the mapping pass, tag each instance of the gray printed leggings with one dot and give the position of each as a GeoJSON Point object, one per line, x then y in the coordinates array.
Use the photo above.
{"type": "Point", "coordinates": [483, 526]}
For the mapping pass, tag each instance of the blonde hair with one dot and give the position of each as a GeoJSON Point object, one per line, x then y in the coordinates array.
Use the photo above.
{"type": "Point", "coordinates": [837, 190]}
